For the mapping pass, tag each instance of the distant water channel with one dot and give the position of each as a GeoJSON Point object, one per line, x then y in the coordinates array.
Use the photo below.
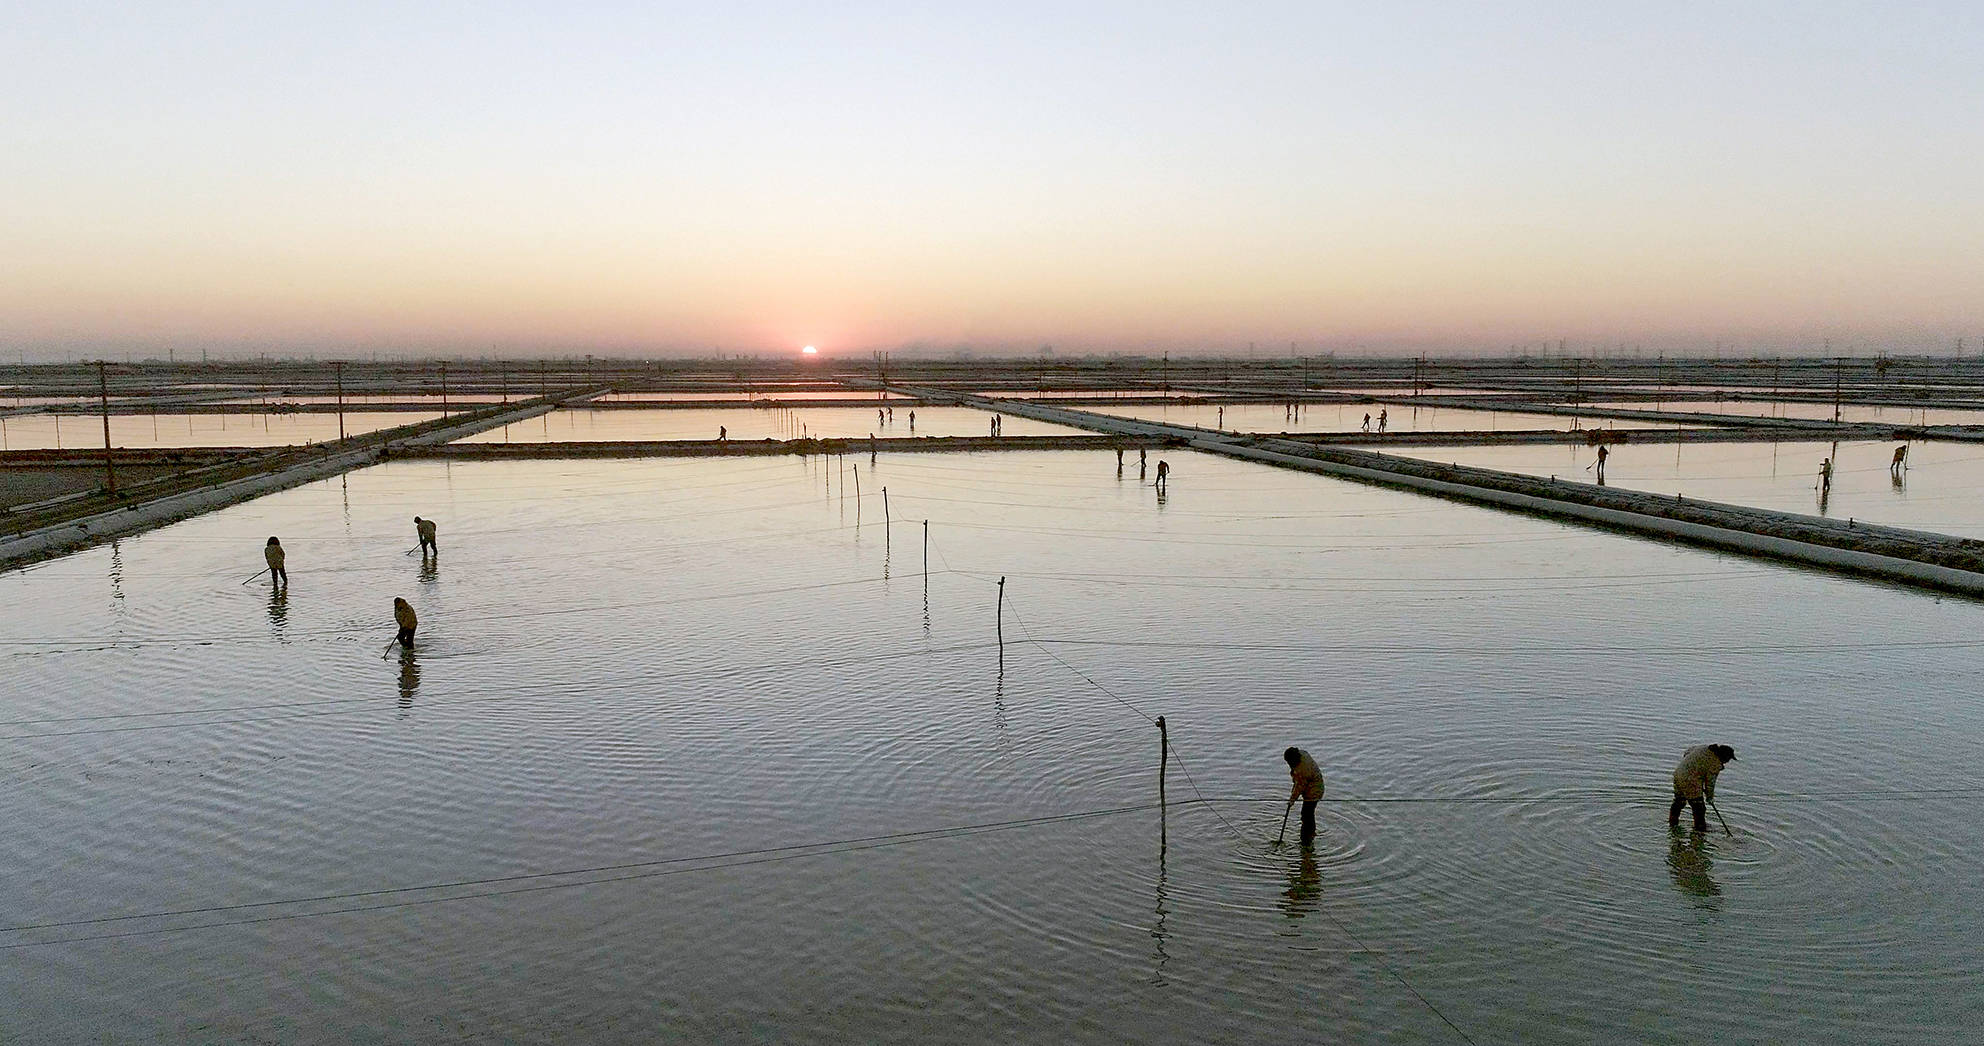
{"type": "Point", "coordinates": [1941, 490]}
{"type": "Point", "coordinates": [755, 423]}
{"type": "Point", "coordinates": [690, 750]}
{"type": "Point", "coordinates": [77, 431]}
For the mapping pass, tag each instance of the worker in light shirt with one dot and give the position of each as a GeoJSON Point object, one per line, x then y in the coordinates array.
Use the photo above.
{"type": "Point", "coordinates": [1694, 781]}
{"type": "Point", "coordinates": [272, 554]}
{"type": "Point", "coordinates": [1308, 787]}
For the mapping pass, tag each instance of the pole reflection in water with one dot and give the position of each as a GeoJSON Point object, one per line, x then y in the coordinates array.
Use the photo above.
{"type": "Point", "coordinates": [1158, 933]}
{"type": "Point", "coordinates": [117, 578]}
{"type": "Point", "coordinates": [409, 681]}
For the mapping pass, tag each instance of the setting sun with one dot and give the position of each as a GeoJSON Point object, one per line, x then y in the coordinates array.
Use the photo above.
{"type": "Point", "coordinates": [810, 351]}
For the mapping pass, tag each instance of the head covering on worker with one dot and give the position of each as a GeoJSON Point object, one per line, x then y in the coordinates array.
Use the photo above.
{"type": "Point", "coordinates": [1306, 776]}
{"type": "Point", "coordinates": [1695, 777]}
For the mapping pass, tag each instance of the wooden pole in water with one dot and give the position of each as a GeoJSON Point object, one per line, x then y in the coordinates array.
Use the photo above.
{"type": "Point", "coordinates": [103, 393]}
{"type": "Point", "coordinates": [887, 520]}
{"type": "Point", "coordinates": [999, 619]}
{"type": "Point", "coordinates": [338, 369]}
{"type": "Point", "coordinates": [926, 553]}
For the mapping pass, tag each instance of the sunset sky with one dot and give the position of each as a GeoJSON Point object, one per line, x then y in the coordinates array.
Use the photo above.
{"type": "Point", "coordinates": [639, 178]}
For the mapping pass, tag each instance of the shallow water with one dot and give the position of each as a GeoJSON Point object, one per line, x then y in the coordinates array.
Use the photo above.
{"type": "Point", "coordinates": [705, 661]}
{"type": "Point", "coordinates": [54, 431]}
{"type": "Point", "coordinates": [1350, 418]}
{"type": "Point", "coordinates": [1942, 489]}
{"type": "Point", "coordinates": [749, 423]}
{"type": "Point", "coordinates": [745, 397]}
{"type": "Point", "coordinates": [1851, 413]}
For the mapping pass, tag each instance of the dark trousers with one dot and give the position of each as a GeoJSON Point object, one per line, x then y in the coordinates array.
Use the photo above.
{"type": "Point", "coordinates": [406, 638]}
{"type": "Point", "coordinates": [278, 576]}
{"type": "Point", "coordinates": [1696, 804]}
{"type": "Point", "coordinates": [1308, 820]}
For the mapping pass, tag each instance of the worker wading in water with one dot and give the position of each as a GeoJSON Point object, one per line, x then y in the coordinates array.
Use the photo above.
{"type": "Point", "coordinates": [403, 614]}
{"type": "Point", "coordinates": [272, 552]}
{"type": "Point", "coordinates": [1308, 787]}
{"type": "Point", "coordinates": [1694, 781]}
{"type": "Point", "coordinates": [425, 528]}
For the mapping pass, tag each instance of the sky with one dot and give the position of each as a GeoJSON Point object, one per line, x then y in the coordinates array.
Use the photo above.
{"type": "Point", "coordinates": [660, 179]}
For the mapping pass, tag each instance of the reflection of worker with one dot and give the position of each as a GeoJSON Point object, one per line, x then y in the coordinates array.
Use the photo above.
{"type": "Point", "coordinates": [404, 616]}
{"type": "Point", "coordinates": [1694, 781]}
{"type": "Point", "coordinates": [272, 552]}
{"type": "Point", "coordinates": [425, 528]}
{"type": "Point", "coordinates": [1307, 780]}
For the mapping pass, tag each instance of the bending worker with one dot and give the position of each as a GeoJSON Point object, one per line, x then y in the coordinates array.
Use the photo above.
{"type": "Point", "coordinates": [272, 552]}
{"type": "Point", "coordinates": [403, 614]}
{"type": "Point", "coordinates": [1308, 787]}
{"type": "Point", "coordinates": [425, 528]}
{"type": "Point", "coordinates": [1694, 781]}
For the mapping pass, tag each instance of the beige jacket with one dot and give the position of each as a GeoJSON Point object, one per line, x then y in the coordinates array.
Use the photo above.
{"type": "Point", "coordinates": [425, 528]}
{"type": "Point", "coordinates": [403, 613]}
{"type": "Point", "coordinates": [1695, 777]}
{"type": "Point", "coordinates": [1307, 778]}
{"type": "Point", "coordinates": [273, 553]}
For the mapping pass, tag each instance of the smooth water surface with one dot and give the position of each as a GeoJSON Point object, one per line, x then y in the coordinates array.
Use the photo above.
{"type": "Point", "coordinates": [688, 751]}
{"type": "Point", "coordinates": [1942, 488]}
{"type": "Point", "coordinates": [1849, 413]}
{"type": "Point", "coordinates": [1349, 417]}
{"type": "Point", "coordinates": [579, 424]}
{"type": "Point", "coordinates": [56, 431]}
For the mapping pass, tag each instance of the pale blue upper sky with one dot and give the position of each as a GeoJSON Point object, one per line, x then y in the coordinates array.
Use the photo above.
{"type": "Point", "coordinates": [750, 177]}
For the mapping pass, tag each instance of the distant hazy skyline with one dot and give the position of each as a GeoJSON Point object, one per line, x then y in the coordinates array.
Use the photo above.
{"type": "Point", "coordinates": [1150, 177]}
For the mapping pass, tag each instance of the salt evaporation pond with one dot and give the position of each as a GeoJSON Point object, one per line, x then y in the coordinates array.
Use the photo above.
{"type": "Point", "coordinates": [716, 691]}
{"type": "Point", "coordinates": [1849, 413]}
{"type": "Point", "coordinates": [56, 431]}
{"type": "Point", "coordinates": [748, 423]}
{"type": "Point", "coordinates": [1318, 417]}
{"type": "Point", "coordinates": [1942, 490]}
